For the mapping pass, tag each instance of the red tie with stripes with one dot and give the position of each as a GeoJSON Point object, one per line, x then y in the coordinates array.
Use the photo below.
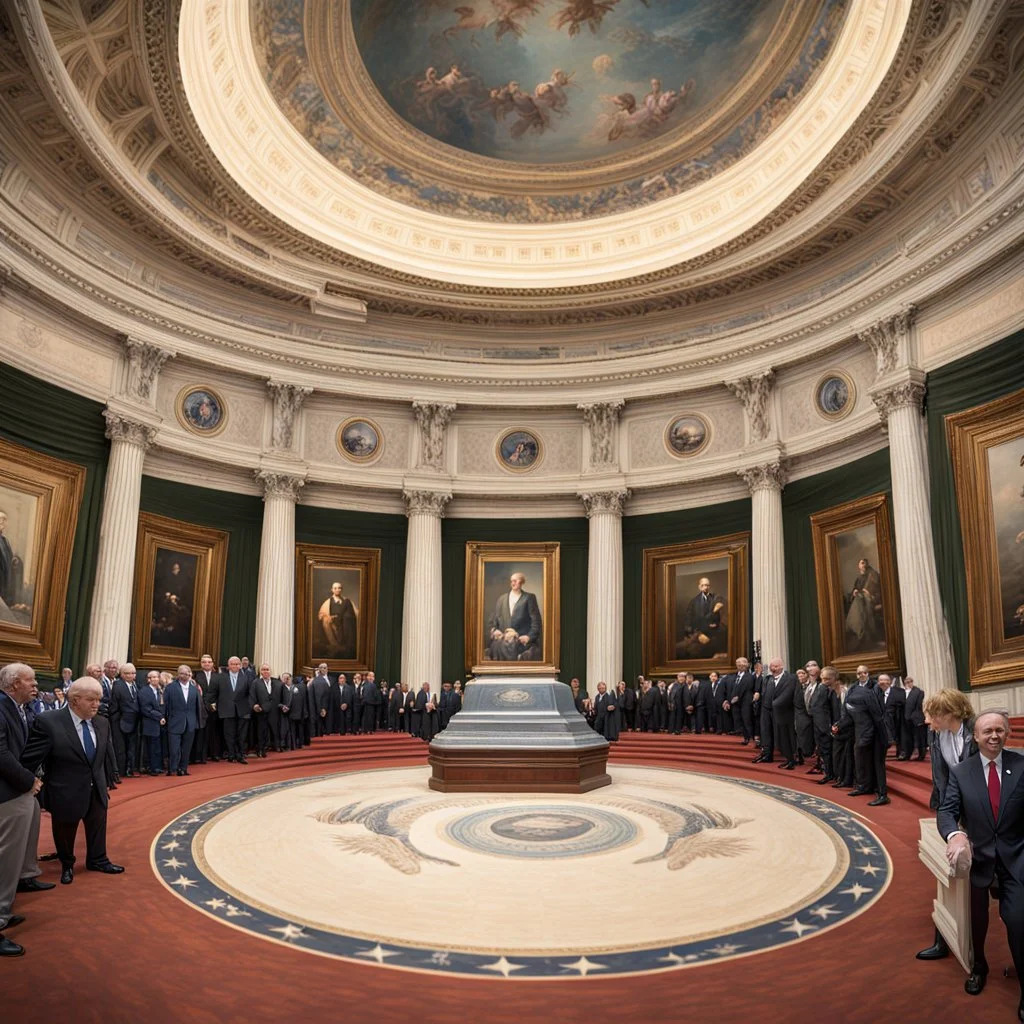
{"type": "Point", "coordinates": [993, 788]}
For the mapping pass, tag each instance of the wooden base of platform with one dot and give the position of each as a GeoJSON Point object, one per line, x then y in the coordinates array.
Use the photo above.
{"type": "Point", "coordinates": [516, 770]}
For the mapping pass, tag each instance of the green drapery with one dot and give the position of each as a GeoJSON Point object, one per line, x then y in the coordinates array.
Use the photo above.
{"type": "Point", "coordinates": [800, 500]}
{"type": "Point", "coordinates": [48, 419]}
{"type": "Point", "coordinates": [343, 527]}
{"type": "Point", "coordinates": [571, 535]}
{"type": "Point", "coordinates": [241, 516]}
{"type": "Point", "coordinates": [974, 380]}
{"type": "Point", "coordinates": [657, 530]}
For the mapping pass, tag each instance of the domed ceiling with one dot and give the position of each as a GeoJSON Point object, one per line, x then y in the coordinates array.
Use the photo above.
{"type": "Point", "coordinates": [538, 110]}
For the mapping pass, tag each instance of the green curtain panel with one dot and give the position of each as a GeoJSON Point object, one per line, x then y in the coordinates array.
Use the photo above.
{"type": "Point", "coordinates": [973, 380]}
{"type": "Point", "coordinates": [368, 530]}
{"type": "Point", "coordinates": [657, 530]}
{"type": "Point", "coordinates": [571, 535]}
{"type": "Point", "coordinates": [48, 419]}
{"type": "Point", "coordinates": [241, 515]}
{"type": "Point", "coordinates": [800, 500]}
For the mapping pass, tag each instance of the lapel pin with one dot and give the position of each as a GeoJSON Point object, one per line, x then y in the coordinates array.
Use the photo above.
{"type": "Point", "coordinates": [1007, 771]}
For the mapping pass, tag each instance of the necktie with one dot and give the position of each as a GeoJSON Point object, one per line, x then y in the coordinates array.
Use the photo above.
{"type": "Point", "coordinates": [233, 680]}
{"type": "Point", "coordinates": [23, 716]}
{"type": "Point", "coordinates": [993, 788]}
{"type": "Point", "coordinates": [87, 743]}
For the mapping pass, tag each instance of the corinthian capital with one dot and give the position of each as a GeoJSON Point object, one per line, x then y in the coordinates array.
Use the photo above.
{"type": "Point", "coordinates": [755, 392]}
{"type": "Point", "coordinates": [144, 363]}
{"type": "Point", "coordinates": [433, 418]}
{"type": "Point", "coordinates": [426, 503]}
{"type": "Point", "coordinates": [280, 485]}
{"type": "Point", "coordinates": [288, 399]}
{"type": "Point", "coordinates": [889, 339]}
{"type": "Point", "coordinates": [123, 428]}
{"type": "Point", "coordinates": [898, 396]}
{"type": "Point", "coordinates": [771, 476]}
{"type": "Point", "coordinates": [601, 419]}
{"type": "Point", "coordinates": [608, 503]}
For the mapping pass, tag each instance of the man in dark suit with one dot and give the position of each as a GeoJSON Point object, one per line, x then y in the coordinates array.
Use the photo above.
{"type": "Point", "coordinates": [209, 725]}
{"type": "Point", "coordinates": [627, 705]}
{"type": "Point", "coordinates": [182, 702]}
{"type": "Point", "coordinates": [783, 713]}
{"type": "Point", "coordinates": [293, 701]}
{"type": "Point", "coordinates": [914, 736]}
{"type": "Point", "coordinates": [124, 720]}
{"type": "Point", "coordinates": [870, 737]}
{"type": "Point", "coordinates": [396, 708]}
{"type": "Point", "coordinates": [347, 697]}
{"type": "Point", "coordinates": [894, 700]}
{"type": "Point", "coordinates": [68, 745]}
{"type": "Point", "coordinates": [703, 634]}
{"type": "Point", "coordinates": [444, 706]}
{"type": "Point", "coordinates": [333, 722]}
{"type": "Point", "coordinates": [982, 817]}
{"type": "Point", "coordinates": [677, 697]}
{"type": "Point", "coordinates": [764, 691]}
{"type": "Point", "coordinates": [106, 676]}
{"type": "Point", "coordinates": [266, 707]}
{"type": "Point", "coordinates": [412, 716]}
{"type": "Point", "coordinates": [151, 711]}
{"type": "Point", "coordinates": [517, 610]}
{"type": "Point", "coordinates": [319, 688]}
{"type": "Point", "coordinates": [229, 698]}
{"type": "Point", "coordinates": [19, 810]}
{"type": "Point", "coordinates": [741, 697]}
{"type": "Point", "coordinates": [823, 705]}
{"type": "Point", "coordinates": [648, 699]}
{"type": "Point", "coordinates": [802, 723]}
{"type": "Point", "coordinates": [369, 700]}
{"type": "Point", "coordinates": [606, 717]}
{"type": "Point", "coordinates": [199, 741]}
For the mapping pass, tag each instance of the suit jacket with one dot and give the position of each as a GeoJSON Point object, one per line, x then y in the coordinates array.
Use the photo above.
{"type": "Point", "coordinates": [702, 698]}
{"type": "Point", "coordinates": [295, 698]}
{"type": "Point", "coordinates": [627, 699]}
{"type": "Point", "coordinates": [966, 803]}
{"type": "Point", "coordinates": [677, 695]}
{"type": "Point", "coordinates": [230, 705]}
{"type": "Point", "coordinates": [321, 690]}
{"type": "Point", "coordinates": [741, 688]}
{"type": "Point", "coordinates": [940, 770]}
{"type": "Point", "coordinates": [913, 710]}
{"type": "Point", "coordinates": [348, 695]}
{"type": "Point", "coordinates": [69, 778]}
{"type": "Point", "coordinates": [524, 619]}
{"type": "Point", "coordinates": [896, 702]}
{"type": "Point", "coordinates": [124, 708]}
{"type": "Point", "coordinates": [270, 704]}
{"type": "Point", "coordinates": [648, 700]}
{"type": "Point", "coordinates": [182, 715]}
{"type": "Point", "coordinates": [864, 710]}
{"type": "Point", "coordinates": [202, 686]}
{"type": "Point", "coordinates": [824, 709]}
{"type": "Point", "coordinates": [783, 696]}
{"type": "Point", "coordinates": [14, 779]}
{"type": "Point", "coordinates": [152, 710]}
{"type": "Point", "coordinates": [369, 693]}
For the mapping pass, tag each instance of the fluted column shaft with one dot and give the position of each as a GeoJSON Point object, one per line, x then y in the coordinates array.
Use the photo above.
{"type": "Point", "coordinates": [275, 599]}
{"type": "Point", "coordinates": [421, 608]}
{"type": "Point", "coordinates": [929, 654]}
{"type": "Point", "coordinates": [604, 588]}
{"type": "Point", "coordinates": [768, 560]}
{"type": "Point", "coordinates": [110, 619]}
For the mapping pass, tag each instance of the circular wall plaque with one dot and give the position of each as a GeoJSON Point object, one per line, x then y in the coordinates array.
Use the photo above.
{"type": "Point", "coordinates": [201, 410]}
{"type": "Point", "coordinates": [835, 395]}
{"type": "Point", "coordinates": [519, 450]}
{"type": "Point", "coordinates": [360, 440]}
{"type": "Point", "coordinates": [687, 435]}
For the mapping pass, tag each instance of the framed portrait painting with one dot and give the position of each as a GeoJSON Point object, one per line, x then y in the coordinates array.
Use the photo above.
{"type": "Point", "coordinates": [336, 614]}
{"type": "Point", "coordinates": [39, 503]}
{"type": "Point", "coordinates": [987, 447]}
{"type": "Point", "coordinates": [512, 611]}
{"type": "Point", "coordinates": [179, 591]}
{"type": "Point", "coordinates": [858, 596]}
{"type": "Point", "coordinates": [695, 615]}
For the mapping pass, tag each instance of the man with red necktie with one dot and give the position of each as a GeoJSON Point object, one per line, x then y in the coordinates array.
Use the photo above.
{"type": "Point", "coordinates": [982, 817]}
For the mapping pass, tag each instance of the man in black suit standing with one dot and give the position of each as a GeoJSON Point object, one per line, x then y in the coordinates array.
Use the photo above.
{"type": "Point", "coordinates": [784, 713]}
{"type": "Point", "coordinates": [870, 736]}
{"type": "Point", "coordinates": [369, 700]}
{"type": "Point", "coordinates": [765, 693]}
{"type": "Point", "coordinates": [677, 698]}
{"type": "Point", "coordinates": [229, 697]}
{"type": "Point", "coordinates": [320, 695]}
{"type": "Point", "coordinates": [347, 698]}
{"type": "Point", "coordinates": [741, 697]}
{"type": "Point", "coordinates": [182, 702]}
{"type": "Point", "coordinates": [293, 706]}
{"type": "Point", "coordinates": [648, 700]}
{"type": "Point", "coordinates": [151, 710]}
{"type": "Point", "coordinates": [106, 677]}
{"type": "Point", "coordinates": [68, 745]}
{"type": "Point", "coordinates": [208, 738]}
{"type": "Point", "coordinates": [266, 706]}
{"type": "Point", "coordinates": [627, 705]}
{"type": "Point", "coordinates": [124, 720]}
{"type": "Point", "coordinates": [915, 731]}
{"type": "Point", "coordinates": [894, 700]}
{"type": "Point", "coordinates": [822, 700]}
{"type": "Point", "coordinates": [982, 817]}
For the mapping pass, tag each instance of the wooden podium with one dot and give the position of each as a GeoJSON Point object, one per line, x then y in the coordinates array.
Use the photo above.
{"type": "Point", "coordinates": [518, 735]}
{"type": "Point", "coordinates": [951, 910]}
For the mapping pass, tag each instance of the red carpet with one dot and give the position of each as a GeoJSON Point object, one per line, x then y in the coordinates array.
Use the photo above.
{"type": "Point", "coordinates": [121, 948]}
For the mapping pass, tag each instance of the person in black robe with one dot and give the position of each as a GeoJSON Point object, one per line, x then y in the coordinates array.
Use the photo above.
{"type": "Point", "coordinates": [648, 700]}
{"type": "Point", "coordinates": [765, 694]}
{"type": "Point", "coordinates": [702, 706]}
{"type": "Point", "coordinates": [411, 715]}
{"type": "Point", "coordinates": [369, 699]}
{"type": "Point", "coordinates": [802, 722]}
{"type": "Point", "coordinates": [606, 714]}
{"type": "Point", "coordinates": [382, 708]}
{"type": "Point", "coordinates": [690, 704]}
{"type": "Point", "coordinates": [677, 695]}
{"type": "Point", "coordinates": [825, 708]}
{"type": "Point", "coordinates": [626, 697]}
{"type": "Point", "coordinates": [396, 701]}
{"type": "Point", "coordinates": [661, 709]}
{"type": "Point", "coordinates": [427, 710]}
{"type": "Point", "coordinates": [357, 703]}
{"type": "Point", "coordinates": [741, 697]}
{"type": "Point", "coordinates": [783, 722]}
{"type": "Point", "coordinates": [333, 723]}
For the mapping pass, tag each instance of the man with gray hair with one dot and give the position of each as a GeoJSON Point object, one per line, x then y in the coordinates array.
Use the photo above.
{"type": "Point", "coordinates": [19, 810]}
{"type": "Point", "coordinates": [69, 746]}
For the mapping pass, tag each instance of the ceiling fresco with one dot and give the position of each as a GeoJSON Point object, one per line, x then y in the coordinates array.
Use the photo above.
{"type": "Point", "coordinates": [538, 110]}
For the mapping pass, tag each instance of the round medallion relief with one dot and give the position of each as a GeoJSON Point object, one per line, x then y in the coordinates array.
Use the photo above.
{"type": "Point", "coordinates": [519, 450]}
{"type": "Point", "coordinates": [835, 395]}
{"type": "Point", "coordinates": [201, 410]}
{"type": "Point", "coordinates": [687, 435]}
{"type": "Point", "coordinates": [360, 440]}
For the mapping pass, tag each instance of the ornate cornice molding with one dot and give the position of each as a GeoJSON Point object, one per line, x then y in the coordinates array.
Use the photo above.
{"type": "Point", "coordinates": [433, 419]}
{"type": "Point", "coordinates": [144, 364]}
{"type": "Point", "coordinates": [604, 503]}
{"type": "Point", "coordinates": [602, 420]}
{"type": "Point", "coordinates": [288, 399]}
{"type": "Point", "coordinates": [277, 484]}
{"type": "Point", "coordinates": [770, 476]}
{"type": "Point", "coordinates": [755, 393]}
{"type": "Point", "coordinates": [124, 428]}
{"type": "Point", "coordinates": [426, 503]}
{"type": "Point", "coordinates": [889, 340]}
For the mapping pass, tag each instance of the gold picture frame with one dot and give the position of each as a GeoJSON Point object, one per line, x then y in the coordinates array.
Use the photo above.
{"type": "Point", "coordinates": [536, 615]}
{"type": "Point", "coordinates": [519, 450]}
{"type": "Point", "coordinates": [348, 445]}
{"type": "Point", "coordinates": [679, 633]}
{"type": "Point", "coordinates": [819, 400]}
{"type": "Point", "coordinates": [40, 497]}
{"type": "Point", "coordinates": [345, 636]}
{"type": "Point", "coordinates": [987, 448]}
{"type": "Point", "coordinates": [687, 434]}
{"type": "Point", "coordinates": [190, 417]}
{"type": "Point", "coordinates": [858, 603]}
{"type": "Point", "coordinates": [179, 591]}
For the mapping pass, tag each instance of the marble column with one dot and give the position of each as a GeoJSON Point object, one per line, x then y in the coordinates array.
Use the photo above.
{"type": "Point", "coordinates": [604, 587]}
{"type": "Point", "coordinates": [421, 609]}
{"type": "Point", "coordinates": [926, 644]}
{"type": "Point", "coordinates": [110, 620]}
{"type": "Point", "coordinates": [768, 560]}
{"type": "Point", "coordinates": [275, 599]}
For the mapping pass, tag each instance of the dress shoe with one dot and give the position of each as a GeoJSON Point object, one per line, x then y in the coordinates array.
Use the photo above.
{"type": "Point", "coordinates": [129, 774]}
{"type": "Point", "coordinates": [745, 743]}
{"type": "Point", "coordinates": [34, 885]}
{"type": "Point", "coordinates": [858, 792]}
{"type": "Point", "coordinates": [242, 760]}
{"type": "Point", "coordinates": [790, 765]}
{"type": "Point", "coordinates": [107, 869]}
{"type": "Point", "coordinates": [15, 920]}
{"type": "Point", "coordinates": [168, 772]}
{"type": "Point", "coordinates": [758, 759]}
{"type": "Point", "coordinates": [902, 757]}
{"type": "Point", "coordinates": [825, 781]}
{"type": "Point", "coordinates": [975, 983]}
{"type": "Point", "coordinates": [839, 784]}
{"type": "Point", "coordinates": [67, 876]}
{"type": "Point", "coordinates": [49, 856]}
{"type": "Point", "coordinates": [879, 801]}
{"type": "Point", "coordinates": [8, 948]}
{"type": "Point", "coordinates": [937, 951]}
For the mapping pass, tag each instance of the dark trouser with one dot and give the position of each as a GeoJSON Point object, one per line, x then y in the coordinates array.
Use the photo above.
{"type": "Point", "coordinates": [701, 717]}
{"type": "Point", "coordinates": [95, 821]}
{"type": "Point", "coordinates": [214, 737]}
{"type": "Point", "coordinates": [179, 746]}
{"type": "Point", "coordinates": [345, 720]}
{"type": "Point", "coordinates": [728, 725]}
{"type": "Point", "coordinates": [198, 755]}
{"type": "Point", "coordinates": [913, 738]}
{"type": "Point", "coordinates": [287, 734]}
{"type": "Point", "coordinates": [265, 737]}
{"type": "Point", "coordinates": [126, 749]}
{"type": "Point", "coordinates": [1011, 910]}
{"type": "Point", "coordinates": [746, 717]}
{"type": "Point", "coordinates": [370, 718]}
{"type": "Point", "coordinates": [646, 721]}
{"type": "Point", "coordinates": [842, 759]}
{"type": "Point", "coordinates": [154, 753]}
{"type": "Point", "coordinates": [869, 764]}
{"type": "Point", "coordinates": [629, 719]}
{"type": "Point", "coordinates": [767, 735]}
{"type": "Point", "coordinates": [878, 749]}
{"type": "Point", "coordinates": [234, 736]}
{"type": "Point", "coordinates": [823, 741]}
{"type": "Point", "coordinates": [675, 719]}
{"type": "Point", "coordinates": [785, 736]}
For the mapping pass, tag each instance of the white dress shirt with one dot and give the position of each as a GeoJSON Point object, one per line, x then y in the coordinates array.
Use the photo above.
{"type": "Point", "coordinates": [513, 600]}
{"type": "Point", "coordinates": [184, 691]}
{"type": "Point", "coordinates": [78, 730]}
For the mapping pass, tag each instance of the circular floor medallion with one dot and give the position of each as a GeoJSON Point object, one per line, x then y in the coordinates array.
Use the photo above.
{"type": "Point", "coordinates": [504, 886]}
